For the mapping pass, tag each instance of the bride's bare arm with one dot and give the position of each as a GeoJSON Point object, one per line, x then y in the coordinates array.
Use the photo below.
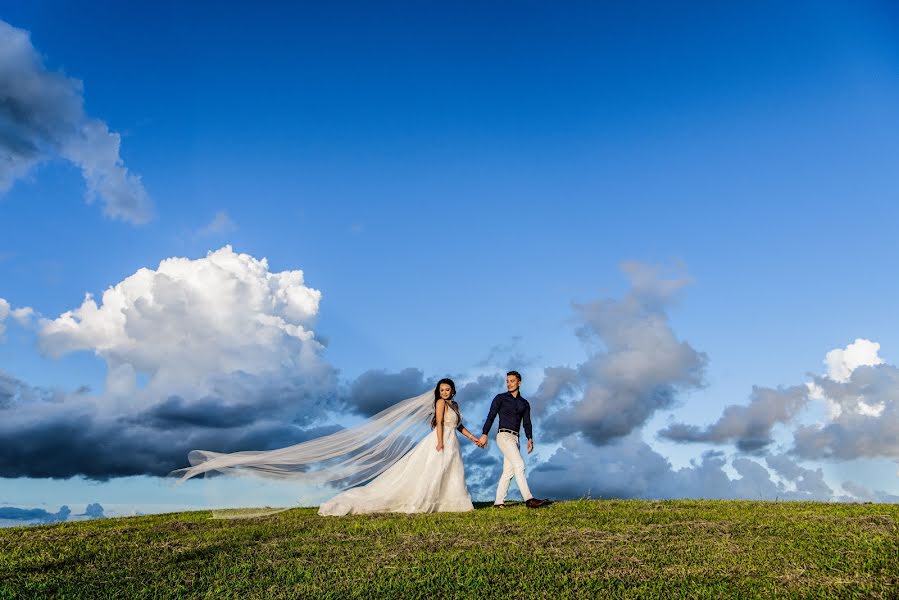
{"type": "Point", "coordinates": [440, 409]}
{"type": "Point", "coordinates": [468, 434]}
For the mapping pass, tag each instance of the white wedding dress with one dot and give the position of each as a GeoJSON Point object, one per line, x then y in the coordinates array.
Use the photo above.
{"type": "Point", "coordinates": [424, 480]}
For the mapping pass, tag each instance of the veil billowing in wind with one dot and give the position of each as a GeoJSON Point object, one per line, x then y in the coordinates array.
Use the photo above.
{"type": "Point", "coordinates": [342, 460]}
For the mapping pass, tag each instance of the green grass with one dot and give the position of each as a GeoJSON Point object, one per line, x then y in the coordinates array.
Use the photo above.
{"type": "Point", "coordinates": [585, 548]}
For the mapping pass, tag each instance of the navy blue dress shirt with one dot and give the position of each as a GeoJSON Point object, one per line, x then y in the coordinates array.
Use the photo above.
{"type": "Point", "coordinates": [512, 412]}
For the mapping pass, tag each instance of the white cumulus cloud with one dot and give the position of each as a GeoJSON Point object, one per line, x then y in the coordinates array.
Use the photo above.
{"type": "Point", "coordinates": [191, 320]}
{"type": "Point", "coordinates": [22, 315]}
{"type": "Point", "coordinates": [841, 362]}
{"type": "Point", "coordinates": [215, 353]}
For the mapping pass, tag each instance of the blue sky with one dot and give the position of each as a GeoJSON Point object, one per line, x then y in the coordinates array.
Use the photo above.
{"type": "Point", "coordinates": [453, 178]}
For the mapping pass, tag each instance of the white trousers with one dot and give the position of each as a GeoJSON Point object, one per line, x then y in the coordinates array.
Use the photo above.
{"type": "Point", "coordinates": [513, 466]}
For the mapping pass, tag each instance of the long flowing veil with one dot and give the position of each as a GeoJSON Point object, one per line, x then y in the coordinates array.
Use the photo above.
{"type": "Point", "coordinates": [342, 460]}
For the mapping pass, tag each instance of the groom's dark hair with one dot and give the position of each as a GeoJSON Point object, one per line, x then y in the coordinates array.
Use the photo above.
{"type": "Point", "coordinates": [515, 374]}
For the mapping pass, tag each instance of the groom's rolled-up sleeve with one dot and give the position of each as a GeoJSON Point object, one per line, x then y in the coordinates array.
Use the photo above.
{"type": "Point", "coordinates": [494, 409]}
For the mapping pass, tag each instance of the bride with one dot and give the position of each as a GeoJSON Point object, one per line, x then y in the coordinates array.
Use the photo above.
{"type": "Point", "coordinates": [430, 478]}
{"type": "Point", "coordinates": [399, 474]}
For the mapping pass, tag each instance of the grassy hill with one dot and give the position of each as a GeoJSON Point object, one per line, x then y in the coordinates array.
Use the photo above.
{"type": "Point", "coordinates": [585, 548]}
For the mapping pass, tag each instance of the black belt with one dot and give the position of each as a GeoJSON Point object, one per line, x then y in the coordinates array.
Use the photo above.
{"type": "Point", "coordinates": [515, 433]}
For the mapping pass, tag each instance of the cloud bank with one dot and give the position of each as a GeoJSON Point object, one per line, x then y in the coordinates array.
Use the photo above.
{"type": "Point", "coordinates": [42, 117]}
{"type": "Point", "coordinates": [12, 516]}
{"type": "Point", "coordinates": [31, 516]}
{"type": "Point", "coordinates": [216, 352]}
{"type": "Point", "coordinates": [860, 391]}
{"type": "Point", "coordinates": [597, 410]}
{"type": "Point", "coordinates": [630, 468]}
{"type": "Point", "coordinates": [220, 353]}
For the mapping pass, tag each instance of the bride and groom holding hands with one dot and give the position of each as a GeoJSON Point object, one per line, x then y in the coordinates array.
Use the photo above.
{"type": "Point", "coordinates": [431, 477]}
{"type": "Point", "coordinates": [401, 470]}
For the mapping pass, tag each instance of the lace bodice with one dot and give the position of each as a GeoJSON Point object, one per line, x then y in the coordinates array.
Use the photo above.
{"type": "Point", "coordinates": [450, 418]}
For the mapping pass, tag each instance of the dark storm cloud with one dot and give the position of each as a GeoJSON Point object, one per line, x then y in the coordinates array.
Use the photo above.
{"type": "Point", "coordinates": [51, 434]}
{"type": "Point", "coordinates": [70, 444]}
{"type": "Point", "coordinates": [375, 390]}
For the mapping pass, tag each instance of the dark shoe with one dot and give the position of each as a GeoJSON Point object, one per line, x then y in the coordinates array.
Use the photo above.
{"type": "Point", "coordinates": [499, 506]}
{"type": "Point", "coordinates": [535, 503]}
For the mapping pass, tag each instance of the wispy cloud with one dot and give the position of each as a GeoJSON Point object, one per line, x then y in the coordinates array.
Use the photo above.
{"type": "Point", "coordinates": [220, 224]}
{"type": "Point", "coordinates": [43, 117]}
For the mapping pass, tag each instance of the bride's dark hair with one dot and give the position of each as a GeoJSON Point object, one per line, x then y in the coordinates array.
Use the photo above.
{"type": "Point", "coordinates": [452, 403]}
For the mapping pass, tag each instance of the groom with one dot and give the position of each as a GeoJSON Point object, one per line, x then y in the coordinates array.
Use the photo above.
{"type": "Point", "coordinates": [512, 410]}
